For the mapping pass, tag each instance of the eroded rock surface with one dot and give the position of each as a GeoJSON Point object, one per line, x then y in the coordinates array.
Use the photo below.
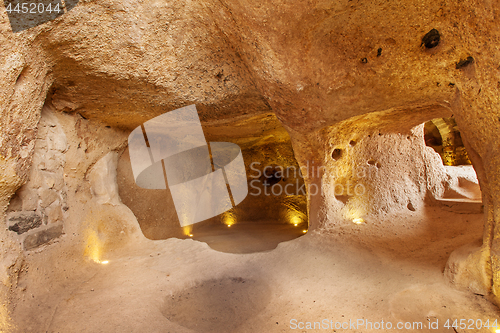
{"type": "Point", "coordinates": [350, 81]}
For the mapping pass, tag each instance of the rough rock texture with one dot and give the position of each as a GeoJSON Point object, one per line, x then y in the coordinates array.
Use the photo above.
{"type": "Point", "coordinates": [468, 268]}
{"type": "Point", "coordinates": [108, 224]}
{"type": "Point", "coordinates": [315, 64]}
{"type": "Point", "coordinates": [276, 193]}
{"type": "Point", "coordinates": [375, 170]}
{"type": "Point", "coordinates": [170, 54]}
{"type": "Point", "coordinates": [43, 236]}
{"type": "Point", "coordinates": [44, 196]}
{"type": "Point", "coordinates": [102, 178]}
{"type": "Point", "coordinates": [463, 183]}
{"type": "Point", "coordinates": [23, 221]}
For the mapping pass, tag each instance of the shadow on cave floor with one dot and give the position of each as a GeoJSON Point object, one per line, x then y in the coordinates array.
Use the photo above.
{"type": "Point", "coordinates": [247, 237]}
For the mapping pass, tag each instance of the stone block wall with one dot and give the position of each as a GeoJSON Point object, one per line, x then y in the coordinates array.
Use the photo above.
{"type": "Point", "coordinates": [37, 211]}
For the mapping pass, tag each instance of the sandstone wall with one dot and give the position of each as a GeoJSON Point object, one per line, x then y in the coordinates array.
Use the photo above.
{"type": "Point", "coordinates": [37, 210]}
{"type": "Point", "coordinates": [314, 64]}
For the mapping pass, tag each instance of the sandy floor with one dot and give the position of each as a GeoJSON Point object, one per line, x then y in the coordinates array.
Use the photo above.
{"type": "Point", "coordinates": [387, 270]}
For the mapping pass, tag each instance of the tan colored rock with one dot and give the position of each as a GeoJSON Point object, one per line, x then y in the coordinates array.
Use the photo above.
{"type": "Point", "coordinates": [47, 197]}
{"type": "Point", "coordinates": [102, 178]}
{"type": "Point", "coordinates": [57, 140]}
{"type": "Point", "coordinates": [55, 162]}
{"type": "Point", "coordinates": [15, 204]}
{"type": "Point", "coordinates": [54, 213]}
{"type": "Point", "coordinates": [9, 182]}
{"type": "Point", "coordinates": [24, 85]}
{"type": "Point", "coordinates": [108, 224]}
{"type": "Point", "coordinates": [43, 236]}
{"type": "Point", "coordinates": [378, 169]}
{"type": "Point", "coordinates": [49, 180]}
{"type": "Point", "coordinates": [315, 64]}
{"type": "Point", "coordinates": [469, 268]}
{"type": "Point", "coordinates": [29, 197]}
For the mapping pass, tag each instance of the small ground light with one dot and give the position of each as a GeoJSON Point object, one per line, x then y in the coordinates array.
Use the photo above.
{"type": "Point", "coordinates": [358, 220]}
{"type": "Point", "coordinates": [295, 224]}
{"type": "Point", "coordinates": [190, 235]}
{"type": "Point", "coordinates": [304, 231]}
{"type": "Point", "coordinates": [104, 262]}
{"type": "Point", "coordinates": [229, 226]}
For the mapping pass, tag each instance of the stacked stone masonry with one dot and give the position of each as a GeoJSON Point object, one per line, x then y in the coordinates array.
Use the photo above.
{"type": "Point", "coordinates": [38, 209]}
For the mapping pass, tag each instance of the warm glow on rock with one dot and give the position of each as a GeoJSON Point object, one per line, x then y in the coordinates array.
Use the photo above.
{"type": "Point", "coordinates": [187, 230]}
{"type": "Point", "coordinates": [293, 214]}
{"type": "Point", "coordinates": [5, 320]}
{"type": "Point", "coordinates": [296, 220]}
{"type": "Point", "coordinates": [228, 218]}
{"type": "Point", "coordinates": [358, 220]}
{"type": "Point", "coordinates": [93, 248]}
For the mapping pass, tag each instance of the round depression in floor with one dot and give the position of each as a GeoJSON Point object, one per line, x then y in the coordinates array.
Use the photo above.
{"type": "Point", "coordinates": [217, 305]}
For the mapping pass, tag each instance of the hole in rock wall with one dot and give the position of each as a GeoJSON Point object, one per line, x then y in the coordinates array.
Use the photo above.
{"type": "Point", "coordinates": [275, 209]}
{"type": "Point", "coordinates": [443, 135]}
{"type": "Point", "coordinates": [389, 169]}
{"type": "Point", "coordinates": [337, 153]}
{"type": "Point", "coordinates": [461, 185]}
